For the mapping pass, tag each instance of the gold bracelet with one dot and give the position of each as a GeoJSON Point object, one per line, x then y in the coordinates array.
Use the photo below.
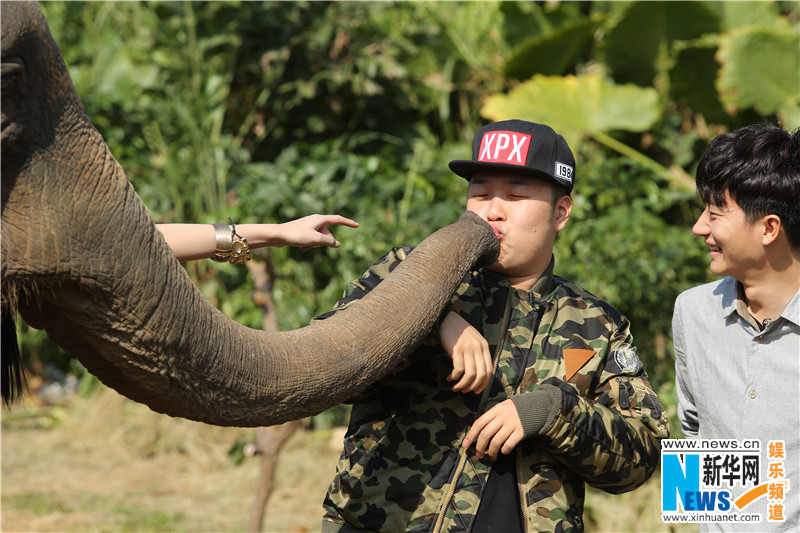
{"type": "Point", "coordinates": [240, 251]}
{"type": "Point", "coordinates": [224, 248]}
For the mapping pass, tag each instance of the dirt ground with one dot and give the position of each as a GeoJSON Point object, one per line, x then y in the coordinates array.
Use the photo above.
{"type": "Point", "coordinates": [108, 464]}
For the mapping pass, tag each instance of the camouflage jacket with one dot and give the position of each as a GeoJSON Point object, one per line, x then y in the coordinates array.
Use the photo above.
{"type": "Point", "coordinates": [403, 467]}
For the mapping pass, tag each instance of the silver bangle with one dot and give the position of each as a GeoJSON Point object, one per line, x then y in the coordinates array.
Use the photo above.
{"type": "Point", "coordinates": [224, 242]}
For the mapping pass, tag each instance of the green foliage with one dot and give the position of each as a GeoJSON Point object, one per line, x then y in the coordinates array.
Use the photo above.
{"type": "Point", "coordinates": [639, 47]}
{"type": "Point", "coordinates": [553, 52]}
{"type": "Point", "coordinates": [760, 70]}
{"type": "Point", "coordinates": [693, 79]}
{"type": "Point", "coordinates": [735, 14]}
{"type": "Point", "coordinates": [400, 207]}
{"type": "Point", "coordinates": [268, 111]}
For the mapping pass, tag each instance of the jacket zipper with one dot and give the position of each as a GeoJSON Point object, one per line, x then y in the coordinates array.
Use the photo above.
{"type": "Point", "coordinates": [484, 398]}
{"type": "Point", "coordinates": [539, 311]}
{"type": "Point", "coordinates": [523, 507]}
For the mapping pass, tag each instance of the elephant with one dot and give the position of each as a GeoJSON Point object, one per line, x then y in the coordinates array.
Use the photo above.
{"type": "Point", "coordinates": [82, 260]}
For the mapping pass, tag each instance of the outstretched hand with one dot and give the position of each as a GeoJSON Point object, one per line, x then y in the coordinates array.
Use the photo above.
{"type": "Point", "coordinates": [472, 362]}
{"type": "Point", "coordinates": [498, 430]}
{"type": "Point", "coordinates": [312, 231]}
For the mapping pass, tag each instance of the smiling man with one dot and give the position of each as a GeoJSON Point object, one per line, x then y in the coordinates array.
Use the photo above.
{"type": "Point", "coordinates": [566, 400]}
{"type": "Point", "coordinates": [737, 340]}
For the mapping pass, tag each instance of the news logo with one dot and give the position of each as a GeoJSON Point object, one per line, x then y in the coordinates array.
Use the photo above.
{"type": "Point", "coordinates": [716, 480]}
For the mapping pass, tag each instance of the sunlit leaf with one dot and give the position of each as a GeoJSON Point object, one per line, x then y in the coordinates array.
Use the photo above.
{"type": "Point", "coordinates": [760, 70]}
{"type": "Point", "coordinates": [574, 106]}
{"type": "Point", "coordinates": [749, 13]}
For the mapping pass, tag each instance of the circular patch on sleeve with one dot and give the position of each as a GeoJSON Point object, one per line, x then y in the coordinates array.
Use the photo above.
{"type": "Point", "coordinates": [627, 359]}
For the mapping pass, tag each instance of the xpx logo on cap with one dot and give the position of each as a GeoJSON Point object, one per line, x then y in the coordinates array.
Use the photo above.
{"type": "Point", "coordinates": [505, 147]}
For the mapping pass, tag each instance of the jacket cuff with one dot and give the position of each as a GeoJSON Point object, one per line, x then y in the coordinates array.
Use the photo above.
{"type": "Point", "coordinates": [537, 409]}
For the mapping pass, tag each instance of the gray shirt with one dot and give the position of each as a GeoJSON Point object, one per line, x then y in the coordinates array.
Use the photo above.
{"type": "Point", "coordinates": [735, 381]}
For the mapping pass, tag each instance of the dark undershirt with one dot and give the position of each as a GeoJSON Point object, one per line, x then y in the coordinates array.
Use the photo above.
{"type": "Point", "coordinates": [761, 325]}
{"type": "Point", "coordinates": [499, 510]}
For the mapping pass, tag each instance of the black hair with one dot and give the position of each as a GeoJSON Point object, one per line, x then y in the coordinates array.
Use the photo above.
{"type": "Point", "coordinates": [759, 166]}
{"type": "Point", "coordinates": [558, 191]}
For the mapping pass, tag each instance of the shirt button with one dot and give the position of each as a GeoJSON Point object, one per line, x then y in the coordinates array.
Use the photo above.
{"type": "Point", "coordinates": [753, 394]}
{"type": "Point", "coordinates": [759, 339]}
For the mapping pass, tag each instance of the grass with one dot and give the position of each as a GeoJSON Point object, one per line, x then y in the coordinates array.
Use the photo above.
{"type": "Point", "coordinates": [127, 517]}
{"type": "Point", "coordinates": [40, 503]}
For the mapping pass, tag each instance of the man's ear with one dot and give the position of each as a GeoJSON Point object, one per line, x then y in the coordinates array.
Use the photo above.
{"type": "Point", "coordinates": [771, 227]}
{"type": "Point", "coordinates": [562, 212]}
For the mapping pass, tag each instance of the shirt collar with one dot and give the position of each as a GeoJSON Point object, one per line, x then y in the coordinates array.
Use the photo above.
{"type": "Point", "coordinates": [540, 290]}
{"type": "Point", "coordinates": [792, 311]}
{"type": "Point", "coordinates": [735, 302]}
{"type": "Point", "coordinates": [544, 285]}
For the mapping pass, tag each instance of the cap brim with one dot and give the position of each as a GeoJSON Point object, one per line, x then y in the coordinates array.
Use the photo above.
{"type": "Point", "coordinates": [467, 168]}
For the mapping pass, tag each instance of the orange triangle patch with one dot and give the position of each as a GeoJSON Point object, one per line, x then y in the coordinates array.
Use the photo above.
{"type": "Point", "coordinates": [575, 358]}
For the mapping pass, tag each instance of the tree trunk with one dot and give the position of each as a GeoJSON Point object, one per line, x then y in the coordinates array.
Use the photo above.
{"type": "Point", "coordinates": [270, 439]}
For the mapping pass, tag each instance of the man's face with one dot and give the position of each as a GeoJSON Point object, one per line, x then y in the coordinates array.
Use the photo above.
{"type": "Point", "coordinates": [521, 212]}
{"type": "Point", "coordinates": [736, 245]}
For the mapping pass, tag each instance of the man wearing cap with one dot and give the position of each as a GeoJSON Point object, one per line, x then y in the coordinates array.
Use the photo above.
{"type": "Point", "coordinates": [567, 400]}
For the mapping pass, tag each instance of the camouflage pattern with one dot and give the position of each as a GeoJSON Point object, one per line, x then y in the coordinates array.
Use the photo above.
{"type": "Point", "coordinates": [403, 467]}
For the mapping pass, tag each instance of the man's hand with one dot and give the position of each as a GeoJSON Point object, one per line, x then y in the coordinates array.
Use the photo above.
{"type": "Point", "coordinates": [497, 430]}
{"type": "Point", "coordinates": [472, 363]}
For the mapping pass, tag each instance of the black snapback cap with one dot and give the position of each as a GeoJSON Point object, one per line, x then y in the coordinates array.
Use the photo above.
{"type": "Point", "coordinates": [521, 147]}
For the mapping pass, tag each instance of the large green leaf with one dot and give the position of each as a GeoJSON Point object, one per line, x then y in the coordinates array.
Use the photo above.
{"type": "Point", "coordinates": [575, 106]}
{"type": "Point", "coordinates": [554, 52]}
{"type": "Point", "coordinates": [638, 47]}
{"type": "Point", "coordinates": [760, 70]}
